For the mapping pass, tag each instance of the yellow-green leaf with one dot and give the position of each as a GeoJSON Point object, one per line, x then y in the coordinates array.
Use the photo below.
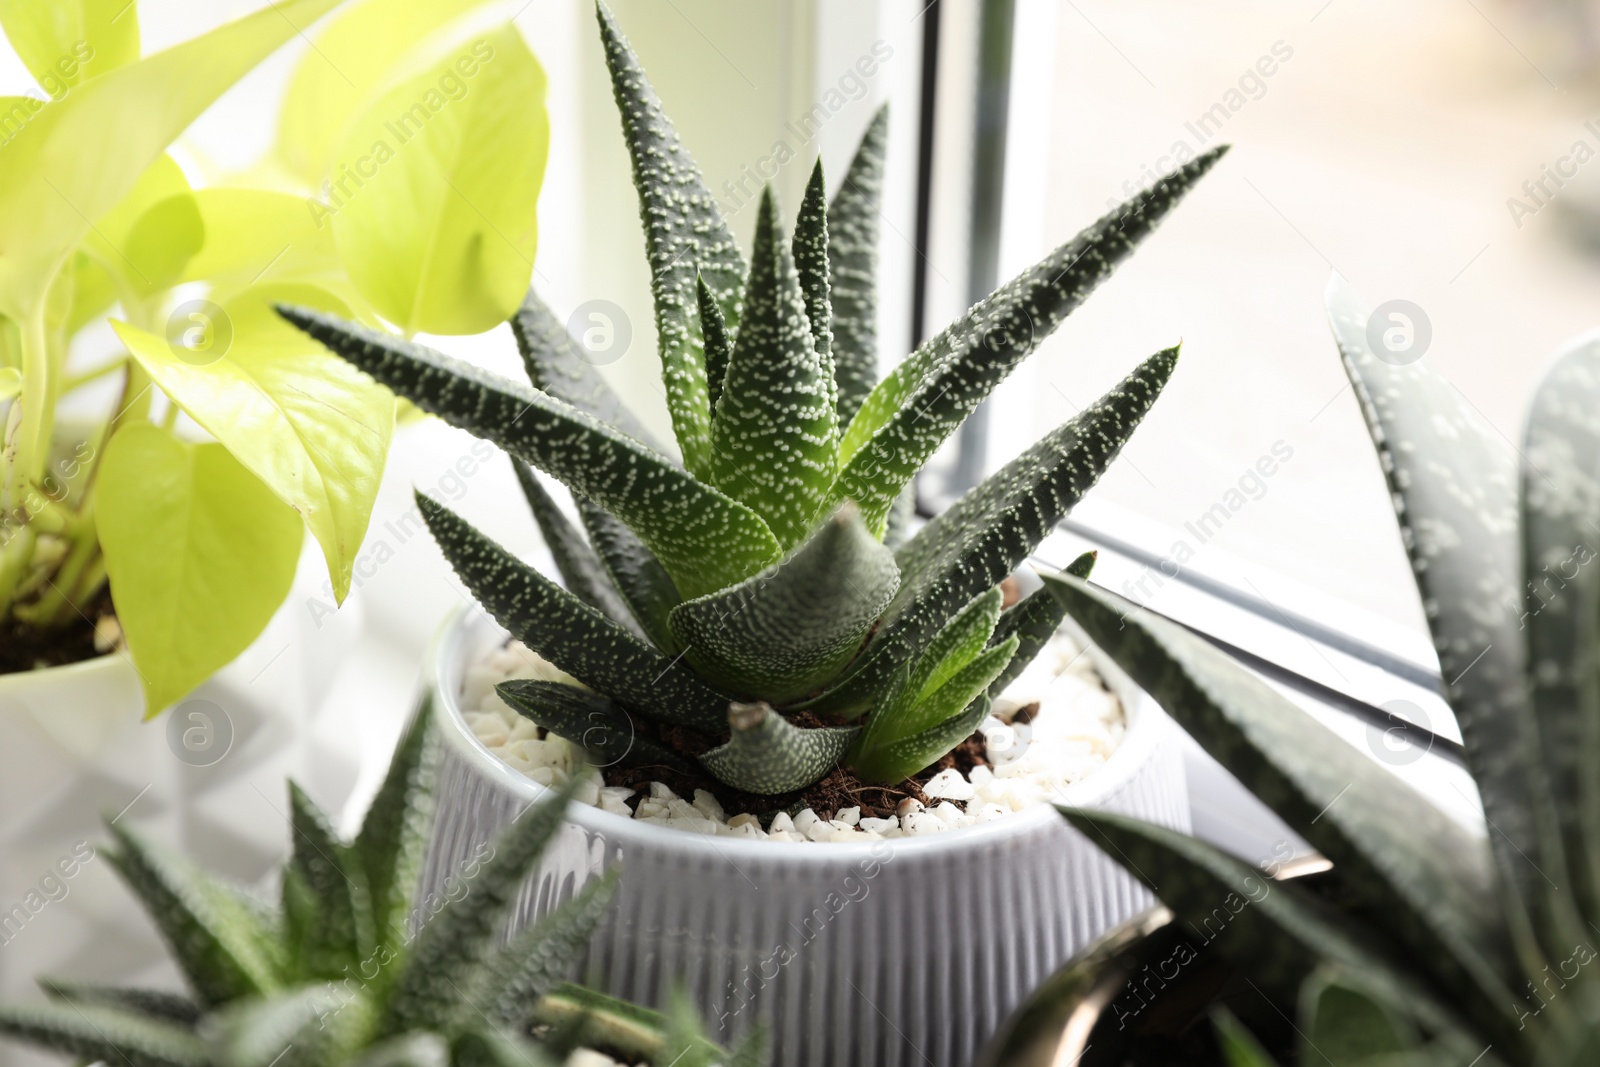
{"type": "Point", "coordinates": [64, 42]}
{"type": "Point", "coordinates": [309, 425]}
{"type": "Point", "coordinates": [199, 552]}
{"type": "Point", "coordinates": [79, 157]}
{"type": "Point", "coordinates": [10, 382]}
{"type": "Point", "coordinates": [433, 202]}
{"type": "Point", "coordinates": [255, 235]}
{"type": "Point", "coordinates": [353, 55]}
{"type": "Point", "coordinates": [150, 235]}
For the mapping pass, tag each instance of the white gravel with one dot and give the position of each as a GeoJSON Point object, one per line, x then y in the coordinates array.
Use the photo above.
{"type": "Point", "coordinates": [1077, 726]}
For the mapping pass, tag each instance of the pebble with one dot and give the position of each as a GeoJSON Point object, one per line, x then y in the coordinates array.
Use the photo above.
{"type": "Point", "coordinates": [1078, 726]}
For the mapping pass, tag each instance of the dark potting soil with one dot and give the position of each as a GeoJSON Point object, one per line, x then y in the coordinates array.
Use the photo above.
{"type": "Point", "coordinates": [23, 648]}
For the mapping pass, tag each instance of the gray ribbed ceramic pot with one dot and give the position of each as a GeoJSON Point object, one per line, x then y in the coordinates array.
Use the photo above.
{"type": "Point", "coordinates": [899, 952]}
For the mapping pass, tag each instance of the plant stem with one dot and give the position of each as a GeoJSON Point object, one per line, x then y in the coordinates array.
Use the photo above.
{"type": "Point", "coordinates": [78, 381]}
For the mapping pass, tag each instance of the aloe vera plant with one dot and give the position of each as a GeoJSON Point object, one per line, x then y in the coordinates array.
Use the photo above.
{"type": "Point", "coordinates": [352, 967]}
{"type": "Point", "coordinates": [756, 578]}
{"type": "Point", "coordinates": [1449, 946]}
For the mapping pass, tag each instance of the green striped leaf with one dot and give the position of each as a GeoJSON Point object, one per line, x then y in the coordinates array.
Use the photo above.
{"type": "Point", "coordinates": [635, 573]}
{"type": "Point", "coordinates": [223, 940]}
{"type": "Point", "coordinates": [684, 235]}
{"type": "Point", "coordinates": [776, 432]}
{"type": "Point", "coordinates": [927, 397]}
{"type": "Point", "coordinates": [557, 365]}
{"type": "Point", "coordinates": [581, 570]}
{"type": "Point", "coordinates": [1427, 882]}
{"type": "Point", "coordinates": [810, 251]}
{"type": "Point", "coordinates": [853, 269]}
{"type": "Point", "coordinates": [792, 627]}
{"type": "Point", "coordinates": [1034, 621]}
{"type": "Point", "coordinates": [154, 1004]}
{"type": "Point", "coordinates": [895, 761]}
{"type": "Point", "coordinates": [568, 632]}
{"type": "Point", "coordinates": [767, 754]}
{"type": "Point", "coordinates": [94, 1033]}
{"type": "Point", "coordinates": [718, 341]}
{"type": "Point", "coordinates": [394, 834]}
{"type": "Point", "coordinates": [341, 931]}
{"type": "Point", "coordinates": [986, 535]}
{"type": "Point", "coordinates": [595, 723]}
{"type": "Point", "coordinates": [704, 539]}
{"type": "Point", "coordinates": [956, 645]}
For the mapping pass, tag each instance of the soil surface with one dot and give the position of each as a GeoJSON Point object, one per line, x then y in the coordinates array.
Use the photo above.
{"type": "Point", "coordinates": [23, 648]}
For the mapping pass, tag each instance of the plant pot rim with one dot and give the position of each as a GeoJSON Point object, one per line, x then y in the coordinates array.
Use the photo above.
{"type": "Point", "coordinates": [104, 662]}
{"type": "Point", "coordinates": [468, 631]}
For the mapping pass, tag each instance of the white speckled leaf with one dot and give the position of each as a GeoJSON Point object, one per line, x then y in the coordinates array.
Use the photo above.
{"type": "Point", "coordinates": [641, 579]}
{"type": "Point", "coordinates": [776, 431]}
{"type": "Point", "coordinates": [1034, 621]}
{"type": "Point", "coordinates": [97, 1034]}
{"type": "Point", "coordinates": [810, 249]}
{"type": "Point", "coordinates": [684, 233]}
{"type": "Point", "coordinates": [775, 756]}
{"type": "Point", "coordinates": [853, 269]}
{"type": "Point", "coordinates": [894, 761]}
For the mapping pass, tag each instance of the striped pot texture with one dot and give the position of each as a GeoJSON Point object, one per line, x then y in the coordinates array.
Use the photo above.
{"type": "Point", "coordinates": [897, 952]}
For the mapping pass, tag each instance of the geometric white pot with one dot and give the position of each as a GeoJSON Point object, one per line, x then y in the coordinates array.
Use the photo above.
{"type": "Point", "coordinates": [900, 952]}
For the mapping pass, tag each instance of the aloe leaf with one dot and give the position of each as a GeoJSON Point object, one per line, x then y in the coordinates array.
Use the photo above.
{"type": "Point", "coordinates": [767, 754]}
{"type": "Point", "coordinates": [901, 514]}
{"type": "Point", "coordinates": [1274, 931]}
{"type": "Point", "coordinates": [1428, 882]}
{"type": "Point", "coordinates": [783, 632]}
{"type": "Point", "coordinates": [95, 1033]}
{"type": "Point", "coordinates": [1560, 493]}
{"type": "Point", "coordinates": [408, 1050]}
{"type": "Point", "coordinates": [540, 957]}
{"type": "Point", "coordinates": [305, 1027]}
{"type": "Point", "coordinates": [1034, 620]}
{"type": "Point", "coordinates": [894, 761]}
{"type": "Point", "coordinates": [558, 366]}
{"type": "Point", "coordinates": [1342, 1019]}
{"type": "Point", "coordinates": [910, 413]}
{"type": "Point", "coordinates": [705, 539]}
{"type": "Point", "coordinates": [718, 341]}
{"type": "Point", "coordinates": [492, 1048]}
{"type": "Point", "coordinates": [635, 573]}
{"type": "Point", "coordinates": [809, 248]}
{"type": "Point", "coordinates": [602, 1021]}
{"type": "Point", "coordinates": [853, 269]}
{"type": "Point", "coordinates": [581, 570]}
{"type": "Point", "coordinates": [986, 535]}
{"type": "Point", "coordinates": [1454, 484]}
{"type": "Point", "coordinates": [686, 1043]}
{"type": "Point", "coordinates": [569, 633]}
{"type": "Point", "coordinates": [966, 685]}
{"type": "Point", "coordinates": [595, 723]}
{"type": "Point", "coordinates": [1239, 1047]}
{"type": "Point", "coordinates": [394, 833]}
{"type": "Point", "coordinates": [153, 1004]}
{"type": "Point", "coordinates": [684, 235]}
{"type": "Point", "coordinates": [221, 939]}
{"type": "Point", "coordinates": [341, 931]}
{"type": "Point", "coordinates": [451, 947]}
{"type": "Point", "coordinates": [776, 432]}
{"type": "Point", "coordinates": [953, 647]}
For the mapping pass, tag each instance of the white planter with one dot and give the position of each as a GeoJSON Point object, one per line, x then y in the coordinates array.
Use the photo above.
{"type": "Point", "coordinates": [206, 778]}
{"type": "Point", "coordinates": [907, 951]}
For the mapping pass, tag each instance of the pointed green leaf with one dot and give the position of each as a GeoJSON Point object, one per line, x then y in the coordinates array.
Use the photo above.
{"type": "Point", "coordinates": [64, 42]}
{"type": "Point", "coordinates": [684, 234]}
{"type": "Point", "coordinates": [790, 628]}
{"type": "Point", "coordinates": [603, 1021]}
{"type": "Point", "coordinates": [569, 633]}
{"type": "Point", "coordinates": [457, 941]}
{"type": "Point", "coordinates": [542, 955]}
{"type": "Point", "coordinates": [1240, 1048]}
{"type": "Point", "coordinates": [718, 341]}
{"type": "Point", "coordinates": [1560, 493]}
{"type": "Point", "coordinates": [776, 432]}
{"type": "Point", "coordinates": [581, 571]}
{"type": "Point", "coordinates": [810, 250]}
{"type": "Point", "coordinates": [93, 1033]}
{"type": "Point", "coordinates": [767, 754]}
{"type": "Point", "coordinates": [705, 540]}
{"type": "Point", "coordinates": [956, 645]}
{"type": "Point", "coordinates": [635, 573]}
{"type": "Point", "coordinates": [895, 761]}
{"type": "Point", "coordinates": [853, 269]}
{"type": "Point", "coordinates": [222, 940]}
{"type": "Point", "coordinates": [1454, 483]}
{"type": "Point", "coordinates": [595, 723]}
{"type": "Point", "coordinates": [153, 1004]}
{"type": "Point", "coordinates": [1034, 621]}
{"type": "Point", "coordinates": [1344, 1020]}
{"type": "Point", "coordinates": [557, 365]}
{"type": "Point", "coordinates": [902, 513]}
{"type": "Point", "coordinates": [686, 1043]}
{"type": "Point", "coordinates": [928, 396]}
{"type": "Point", "coordinates": [1427, 881]}
{"type": "Point", "coordinates": [394, 833]}
{"type": "Point", "coordinates": [310, 1026]}
{"type": "Point", "coordinates": [987, 534]}
{"type": "Point", "coordinates": [341, 933]}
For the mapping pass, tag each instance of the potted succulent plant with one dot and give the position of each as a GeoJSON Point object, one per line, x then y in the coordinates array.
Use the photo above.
{"type": "Point", "coordinates": [154, 504]}
{"type": "Point", "coordinates": [738, 635]}
{"type": "Point", "coordinates": [1426, 942]}
{"type": "Point", "coordinates": [353, 965]}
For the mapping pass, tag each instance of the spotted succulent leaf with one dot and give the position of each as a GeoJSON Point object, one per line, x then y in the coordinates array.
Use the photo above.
{"type": "Point", "coordinates": [635, 573]}
{"type": "Point", "coordinates": [895, 761]}
{"type": "Point", "coordinates": [340, 929]}
{"type": "Point", "coordinates": [810, 251]}
{"type": "Point", "coordinates": [309, 1026]}
{"type": "Point", "coordinates": [581, 570]}
{"type": "Point", "coordinates": [956, 645]}
{"type": "Point", "coordinates": [96, 1033]}
{"type": "Point", "coordinates": [1034, 620]}
{"type": "Point", "coordinates": [908, 415]}
{"type": "Point", "coordinates": [790, 628]}
{"type": "Point", "coordinates": [154, 1004]}
{"type": "Point", "coordinates": [766, 754]}
{"type": "Point", "coordinates": [853, 269]}
{"type": "Point", "coordinates": [222, 939]}
{"type": "Point", "coordinates": [569, 633]}
{"type": "Point", "coordinates": [776, 431]}
{"type": "Point", "coordinates": [1428, 882]}
{"type": "Point", "coordinates": [1454, 484]}
{"type": "Point", "coordinates": [394, 834]}
{"type": "Point", "coordinates": [986, 535]}
{"type": "Point", "coordinates": [718, 341]}
{"type": "Point", "coordinates": [705, 539]}
{"type": "Point", "coordinates": [684, 234]}
{"type": "Point", "coordinates": [557, 365]}
{"type": "Point", "coordinates": [595, 723]}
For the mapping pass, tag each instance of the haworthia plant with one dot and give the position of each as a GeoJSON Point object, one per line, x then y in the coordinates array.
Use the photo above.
{"type": "Point", "coordinates": [1449, 944]}
{"type": "Point", "coordinates": [757, 572]}
{"type": "Point", "coordinates": [353, 967]}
